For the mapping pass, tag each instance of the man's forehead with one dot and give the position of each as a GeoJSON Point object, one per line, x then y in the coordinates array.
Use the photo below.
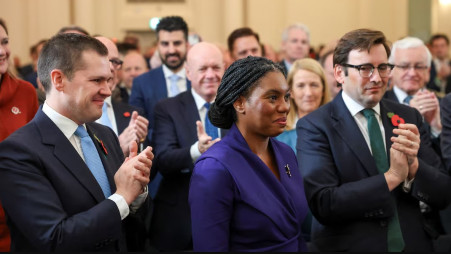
{"type": "Point", "coordinates": [176, 35]}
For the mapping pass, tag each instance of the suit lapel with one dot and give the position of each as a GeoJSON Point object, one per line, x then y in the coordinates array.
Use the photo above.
{"type": "Point", "coordinates": [346, 127]}
{"type": "Point", "coordinates": [388, 127]}
{"type": "Point", "coordinates": [189, 111]}
{"type": "Point", "coordinates": [160, 87]}
{"type": "Point", "coordinates": [67, 155]}
{"type": "Point", "coordinates": [122, 121]}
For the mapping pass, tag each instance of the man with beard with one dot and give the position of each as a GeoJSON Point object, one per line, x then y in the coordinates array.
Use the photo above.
{"type": "Point", "coordinates": [169, 79]}
{"type": "Point", "coordinates": [182, 132]}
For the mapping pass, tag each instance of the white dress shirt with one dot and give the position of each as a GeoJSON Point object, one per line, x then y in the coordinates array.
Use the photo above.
{"type": "Point", "coordinates": [181, 83]}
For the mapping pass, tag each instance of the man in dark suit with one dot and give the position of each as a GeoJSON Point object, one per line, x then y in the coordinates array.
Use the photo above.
{"type": "Point", "coordinates": [169, 79]}
{"type": "Point", "coordinates": [180, 137]}
{"type": "Point", "coordinates": [364, 169]}
{"type": "Point", "coordinates": [295, 44]}
{"type": "Point", "coordinates": [64, 183]}
{"type": "Point", "coordinates": [409, 77]}
{"type": "Point", "coordinates": [125, 120]}
{"type": "Point", "coordinates": [440, 65]}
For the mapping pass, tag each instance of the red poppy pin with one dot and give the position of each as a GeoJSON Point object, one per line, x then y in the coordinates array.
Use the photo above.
{"type": "Point", "coordinates": [127, 114]}
{"type": "Point", "coordinates": [101, 143]}
{"type": "Point", "coordinates": [395, 119]}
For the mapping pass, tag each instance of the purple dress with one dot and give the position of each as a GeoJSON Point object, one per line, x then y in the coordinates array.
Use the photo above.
{"type": "Point", "coordinates": [237, 204]}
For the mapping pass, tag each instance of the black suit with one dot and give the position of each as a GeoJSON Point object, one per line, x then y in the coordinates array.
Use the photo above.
{"type": "Point", "coordinates": [349, 199]}
{"type": "Point", "coordinates": [52, 199]}
{"type": "Point", "coordinates": [175, 131]}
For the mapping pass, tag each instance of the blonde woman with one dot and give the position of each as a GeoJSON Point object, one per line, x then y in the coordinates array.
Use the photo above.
{"type": "Point", "coordinates": [309, 91]}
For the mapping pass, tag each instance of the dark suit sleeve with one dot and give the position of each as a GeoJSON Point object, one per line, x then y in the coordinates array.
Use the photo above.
{"type": "Point", "coordinates": [171, 156]}
{"type": "Point", "coordinates": [136, 96]}
{"type": "Point", "coordinates": [337, 191]}
{"type": "Point", "coordinates": [431, 180]}
{"type": "Point", "coordinates": [445, 136]}
{"type": "Point", "coordinates": [32, 203]}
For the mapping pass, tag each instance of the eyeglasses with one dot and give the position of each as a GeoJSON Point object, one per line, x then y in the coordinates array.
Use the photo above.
{"type": "Point", "coordinates": [366, 70]}
{"type": "Point", "coordinates": [116, 63]}
{"type": "Point", "coordinates": [416, 67]}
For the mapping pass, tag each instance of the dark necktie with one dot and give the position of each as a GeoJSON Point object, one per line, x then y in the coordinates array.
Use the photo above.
{"type": "Point", "coordinates": [210, 129]}
{"type": "Point", "coordinates": [395, 239]}
{"type": "Point", "coordinates": [92, 160]}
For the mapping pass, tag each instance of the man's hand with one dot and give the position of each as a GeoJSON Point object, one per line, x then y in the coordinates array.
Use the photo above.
{"type": "Point", "coordinates": [408, 142]}
{"type": "Point", "coordinates": [205, 141]}
{"type": "Point", "coordinates": [133, 175]}
{"type": "Point", "coordinates": [136, 131]}
{"type": "Point", "coordinates": [427, 104]}
{"type": "Point", "coordinates": [398, 170]}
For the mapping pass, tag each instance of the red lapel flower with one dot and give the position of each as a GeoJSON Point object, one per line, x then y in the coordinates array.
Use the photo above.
{"type": "Point", "coordinates": [127, 114]}
{"type": "Point", "coordinates": [101, 144]}
{"type": "Point", "coordinates": [395, 119]}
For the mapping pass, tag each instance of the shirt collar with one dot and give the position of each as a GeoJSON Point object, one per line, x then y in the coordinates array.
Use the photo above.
{"type": "Point", "coordinates": [200, 102]}
{"type": "Point", "coordinates": [354, 107]}
{"type": "Point", "coordinates": [66, 125]}
{"type": "Point", "coordinates": [400, 94]}
{"type": "Point", "coordinates": [167, 72]}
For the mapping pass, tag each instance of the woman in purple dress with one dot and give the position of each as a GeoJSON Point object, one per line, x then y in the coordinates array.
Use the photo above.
{"type": "Point", "coordinates": [246, 192]}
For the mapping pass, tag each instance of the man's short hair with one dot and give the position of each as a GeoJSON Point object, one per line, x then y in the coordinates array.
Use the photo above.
{"type": "Point", "coordinates": [64, 52]}
{"type": "Point", "coordinates": [299, 26]}
{"type": "Point", "coordinates": [407, 43]}
{"type": "Point", "coordinates": [238, 33]}
{"type": "Point", "coordinates": [73, 27]}
{"type": "Point", "coordinates": [360, 39]}
{"type": "Point", "coordinates": [171, 24]}
{"type": "Point", "coordinates": [438, 36]}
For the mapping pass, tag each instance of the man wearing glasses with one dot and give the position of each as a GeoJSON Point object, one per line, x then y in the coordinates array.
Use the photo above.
{"type": "Point", "coordinates": [412, 61]}
{"type": "Point", "coordinates": [360, 156]}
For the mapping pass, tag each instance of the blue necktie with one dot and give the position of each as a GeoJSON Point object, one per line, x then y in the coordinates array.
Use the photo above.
{"type": "Point", "coordinates": [210, 129]}
{"type": "Point", "coordinates": [104, 119]}
{"type": "Point", "coordinates": [395, 240]}
{"type": "Point", "coordinates": [174, 88]}
{"type": "Point", "coordinates": [407, 99]}
{"type": "Point", "coordinates": [92, 160]}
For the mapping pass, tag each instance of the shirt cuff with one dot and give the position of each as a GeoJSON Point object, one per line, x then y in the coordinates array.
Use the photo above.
{"type": "Point", "coordinates": [121, 205]}
{"type": "Point", "coordinates": [135, 205]}
{"type": "Point", "coordinates": [407, 185]}
{"type": "Point", "coordinates": [194, 151]}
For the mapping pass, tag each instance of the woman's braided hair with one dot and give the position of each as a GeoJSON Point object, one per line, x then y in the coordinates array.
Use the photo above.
{"type": "Point", "coordinates": [237, 81]}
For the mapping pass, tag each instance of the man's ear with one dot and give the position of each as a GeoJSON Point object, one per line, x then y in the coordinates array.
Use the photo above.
{"type": "Point", "coordinates": [339, 73]}
{"type": "Point", "coordinates": [57, 77]}
{"type": "Point", "coordinates": [239, 105]}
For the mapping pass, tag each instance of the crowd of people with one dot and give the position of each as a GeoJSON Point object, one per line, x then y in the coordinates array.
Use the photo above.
{"type": "Point", "coordinates": [197, 147]}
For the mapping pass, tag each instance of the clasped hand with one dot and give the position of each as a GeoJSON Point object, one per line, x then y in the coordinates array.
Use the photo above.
{"type": "Point", "coordinates": [134, 173]}
{"type": "Point", "coordinates": [404, 151]}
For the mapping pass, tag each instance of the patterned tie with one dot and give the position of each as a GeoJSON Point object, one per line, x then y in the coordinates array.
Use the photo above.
{"type": "Point", "coordinates": [104, 119]}
{"type": "Point", "coordinates": [211, 130]}
{"type": "Point", "coordinates": [395, 239]}
{"type": "Point", "coordinates": [407, 99]}
{"type": "Point", "coordinates": [174, 88]}
{"type": "Point", "coordinates": [92, 160]}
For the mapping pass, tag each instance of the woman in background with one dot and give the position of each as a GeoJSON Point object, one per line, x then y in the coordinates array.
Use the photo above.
{"type": "Point", "coordinates": [18, 105]}
{"type": "Point", "coordinates": [309, 91]}
{"type": "Point", "coordinates": [246, 193]}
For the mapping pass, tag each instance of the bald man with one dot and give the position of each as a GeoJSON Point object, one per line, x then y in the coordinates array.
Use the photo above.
{"type": "Point", "coordinates": [125, 120]}
{"type": "Point", "coordinates": [180, 136]}
{"type": "Point", "coordinates": [134, 64]}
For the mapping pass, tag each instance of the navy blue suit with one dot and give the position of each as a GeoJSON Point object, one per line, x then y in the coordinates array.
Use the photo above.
{"type": "Point", "coordinates": [148, 88]}
{"type": "Point", "coordinates": [52, 200]}
{"type": "Point", "coordinates": [349, 199]}
{"type": "Point", "coordinates": [175, 132]}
